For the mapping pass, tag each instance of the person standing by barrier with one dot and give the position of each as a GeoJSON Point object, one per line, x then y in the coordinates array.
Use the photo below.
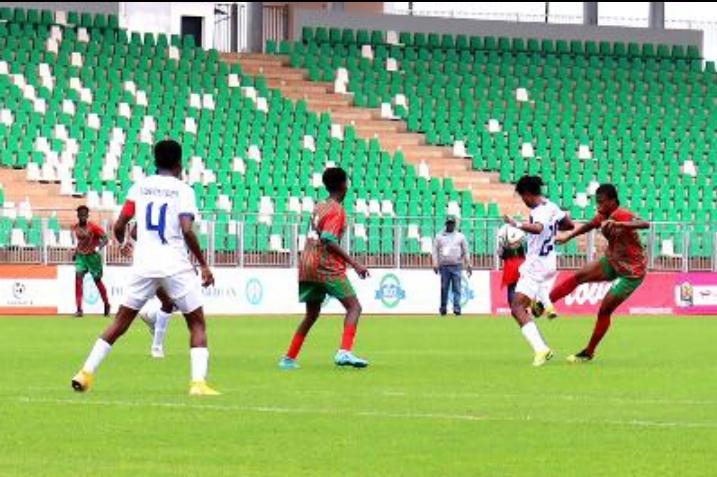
{"type": "Point", "coordinates": [91, 238]}
{"type": "Point", "coordinates": [450, 253]}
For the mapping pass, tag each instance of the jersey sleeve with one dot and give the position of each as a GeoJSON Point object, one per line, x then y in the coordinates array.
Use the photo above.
{"type": "Point", "coordinates": [541, 215]}
{"type": "Point", "coordinates": [597, 220]}
{"type": "Point", "coordinates": [332, 225]}
{"type": "Point", "coordinates": [187, 203]}
{"type": "Point", "coordinates": [128, 209]}
{"type": "Point", "coordinates": [98, 231]}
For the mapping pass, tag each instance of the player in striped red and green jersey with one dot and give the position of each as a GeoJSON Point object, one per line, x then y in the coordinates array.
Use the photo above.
{"type": "Point", "coordinates": [322, 271]}
{"type": "Point", "coordinates": [624, 262]}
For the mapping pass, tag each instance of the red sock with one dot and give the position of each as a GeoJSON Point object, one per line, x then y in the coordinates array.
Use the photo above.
{"type": "Point", "coordinates": [601, 327]}
{"type": "Point", "coordinates": [347, 341]}
{"type": "Point", "coordinates": [295, 346]}
{"type": "Point", "coordinates": [78, 292]}
{"type": "Point", "coordinates": [103, 291]}
{"type": "Point", "coordinates": [563, 288]}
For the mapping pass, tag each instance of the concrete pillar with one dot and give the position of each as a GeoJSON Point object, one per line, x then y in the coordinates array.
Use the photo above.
{"type": "Point", "coordinates": [590, 13]}
{"type": "Point", "coordinates": [657, 15]}
{"type": "Point", "coordinates": [255, 26]}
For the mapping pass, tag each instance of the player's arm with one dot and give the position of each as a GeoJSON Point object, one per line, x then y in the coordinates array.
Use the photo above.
{"type": "Point", "coordinates": [119, 228]}
{"type": "Point", "coordinates": [566, 223]}
{"type": "Point", "coordinates": [333, 247]}
{"type": "Point", "coordinates": [534, 228]}
{"type": "Point", "coordinates": [186, 222]}
{"type": "Point", "coordinates": [434, 255]}
{"type": "Point", "coordinates": [103, 239]}
{"type": "Point", "coordinates": [580, 230]}
{"type": "Point", "coordinates": [635, 224]}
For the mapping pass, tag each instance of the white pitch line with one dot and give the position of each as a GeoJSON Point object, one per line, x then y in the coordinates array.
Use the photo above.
{"type": "Point", "coordinates": [378, 414]}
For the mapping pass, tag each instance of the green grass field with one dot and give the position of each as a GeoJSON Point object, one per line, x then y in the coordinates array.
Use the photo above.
{"type": "Point", "coordinates": [448, 397]}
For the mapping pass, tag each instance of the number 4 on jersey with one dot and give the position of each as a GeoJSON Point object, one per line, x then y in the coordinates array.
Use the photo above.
{"type": "Point", "coordinates": [161, 222]}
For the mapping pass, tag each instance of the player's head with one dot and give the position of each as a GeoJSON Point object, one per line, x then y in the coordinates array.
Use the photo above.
{"type": "Point", "coordinates": [529, 189]}
{"type": "Point", "coordinates": [450, 223]}
{"type": "Point", "coordinates": [83, 213]}
{"type": "Point", "coordinates": [607, 199]}
{"type": "Point", "coordinates": [336, 182]}
{"type": "Point", "coordinates": [168, 157]}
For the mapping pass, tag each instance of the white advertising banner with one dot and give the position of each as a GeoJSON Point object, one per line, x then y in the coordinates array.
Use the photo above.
{"type": "Point", "coordinates": [275, 291]}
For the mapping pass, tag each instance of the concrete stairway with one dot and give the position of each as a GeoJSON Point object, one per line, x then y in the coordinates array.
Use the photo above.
{"type": "Point", "coordinates": [44, 198]}
{"type": "Point", "coordinates": [393, 135]}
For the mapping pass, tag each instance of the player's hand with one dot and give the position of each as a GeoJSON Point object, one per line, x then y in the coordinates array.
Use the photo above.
{"type": "Point", "coordinates": [435, 270]}
{"type": "Point", "coordinates": [469, 271]}
{"type": "Point", "coordinates": [510, 221]}
{"type": "Point", "coordinates": [361, 270]}
{"type": "Point", "coordinates": [207, 277]}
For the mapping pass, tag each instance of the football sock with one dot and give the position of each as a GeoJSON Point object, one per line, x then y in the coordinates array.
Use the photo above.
{"type": "Point", "coordinates": [601, 326]}
{"type": "Point", "coordinates": [99, 351]}
{"type": "Point", "coordinates": [296, 342]}
{"type": "Point", "coordinates": [563, 288]}
{"type": "Point", "coordinates": [347, 340]}
{"type": "Point", "coordinates": [103, 291]}
{"type": "Point", "coordinates": [78, 292]}
{"type": "Point", "coordinates": [161, 322]}
{"type": "Point", "coordinates": [533, 336]}
{"type": "Point", "coordinates": [200, 363]}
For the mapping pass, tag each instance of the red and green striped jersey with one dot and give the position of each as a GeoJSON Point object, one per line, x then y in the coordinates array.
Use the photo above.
{"type": "Point", "coordinates": [624, 251]}
{"type": "Point", "coordinates": [328, 224]}
{"type": "Point", "coordinates": [88, 237]}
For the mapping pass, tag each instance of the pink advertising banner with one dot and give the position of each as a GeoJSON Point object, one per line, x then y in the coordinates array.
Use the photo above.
{"type": "Point", "coordinates": [656, 296]}
{"type": "Point", "coordinates": [696, 293]}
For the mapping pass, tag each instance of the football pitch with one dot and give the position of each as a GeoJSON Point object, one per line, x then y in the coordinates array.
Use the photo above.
{"type": "Point", "coordinates": [446, 397]}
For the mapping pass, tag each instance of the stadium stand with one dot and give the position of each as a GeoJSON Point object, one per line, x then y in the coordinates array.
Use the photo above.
{"type": "Point", "coordinates": [435, 124]}
{"type": "Point", "coordinates": [578, 112]}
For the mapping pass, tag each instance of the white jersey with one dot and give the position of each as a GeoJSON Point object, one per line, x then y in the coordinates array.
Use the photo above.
{"type": "Point", "coordinates": [159, 203]}
{"type": "Point", "coordinates": [540, 260]}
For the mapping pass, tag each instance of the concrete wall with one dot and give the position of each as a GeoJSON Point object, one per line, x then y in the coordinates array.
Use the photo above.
{"type": "Point", "coordinates": [84, 7]}
{"type": "Point", "coordinates": [165, 17]}
{"type": "Point", "coordinates": [355, 20]}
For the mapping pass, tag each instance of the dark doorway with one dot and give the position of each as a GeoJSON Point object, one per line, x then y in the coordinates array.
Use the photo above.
{"type": "Point", "coordinates": [193, 26]}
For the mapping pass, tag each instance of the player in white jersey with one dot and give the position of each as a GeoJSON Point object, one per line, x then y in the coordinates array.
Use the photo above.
{"type": "Point", "coordinates": [165, 208]}
{"type": "Point", "coordinates": [540, 264]}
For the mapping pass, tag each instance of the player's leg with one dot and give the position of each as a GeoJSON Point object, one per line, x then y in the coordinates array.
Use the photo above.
{"type": "Point", "coordinates": [184, 291]}
{"type": "Point", "coordinates": [510, 293]}
{"type": "Point", "coordinates": [525, 291]}
{"type": "Point", "coordinates": [445, 283]}
{"type": "Point", "coordinates": [313, 309]}
{"type": "Point", "coordinates": [342, 290]}
{"type": "Point", "coordinates": [161, 322]}
{"type": "Point", "coordinates": [456, 289]}
{"type": "Point", "coordinates": [592, 272]}
{"type": "Point", "coordinates": [80, 270]}
{"type": "Point", "coordinates": [619, 292]}
{"type": "Point", "coordinates": [95, 266]}
{"type": "Point", "coordinates": [138, 291]}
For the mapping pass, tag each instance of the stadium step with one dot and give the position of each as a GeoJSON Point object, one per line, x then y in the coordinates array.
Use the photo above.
{"type": "Point", "coordinates": [41, 196]}
{"type": "Point", "coordinates": [294, 84]}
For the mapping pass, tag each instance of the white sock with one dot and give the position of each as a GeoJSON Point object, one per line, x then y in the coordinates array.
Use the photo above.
{"type": "Point", "coordinates": [99, 351]}
{"type": "Point", "coordinates": [200, 363]}
{"type": "Point", "coordinates": [160, 328]}
{"type": "Point", "coordinates": [533, 336]}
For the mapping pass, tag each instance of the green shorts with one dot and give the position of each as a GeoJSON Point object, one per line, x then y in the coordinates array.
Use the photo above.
{"type": "Point", "coordinates": [91, 264]}
{"type": "Point", "coordinates": [315, 292]}
{"type": "Point", "coordinates": [624, 286]}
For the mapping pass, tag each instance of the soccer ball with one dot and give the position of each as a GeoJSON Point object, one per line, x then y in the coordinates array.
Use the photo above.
{"type": "Point", "coordinates": [510, 237]}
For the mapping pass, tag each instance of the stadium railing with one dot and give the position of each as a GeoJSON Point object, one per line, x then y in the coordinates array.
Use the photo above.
{"type": "Point", "coordinates": [251, 240]}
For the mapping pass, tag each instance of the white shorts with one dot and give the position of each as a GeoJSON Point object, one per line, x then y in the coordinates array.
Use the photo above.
{"type": "Point", "coordinates": [534, 288]}
{"type": "Point", "coordinates": [184, 289]}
